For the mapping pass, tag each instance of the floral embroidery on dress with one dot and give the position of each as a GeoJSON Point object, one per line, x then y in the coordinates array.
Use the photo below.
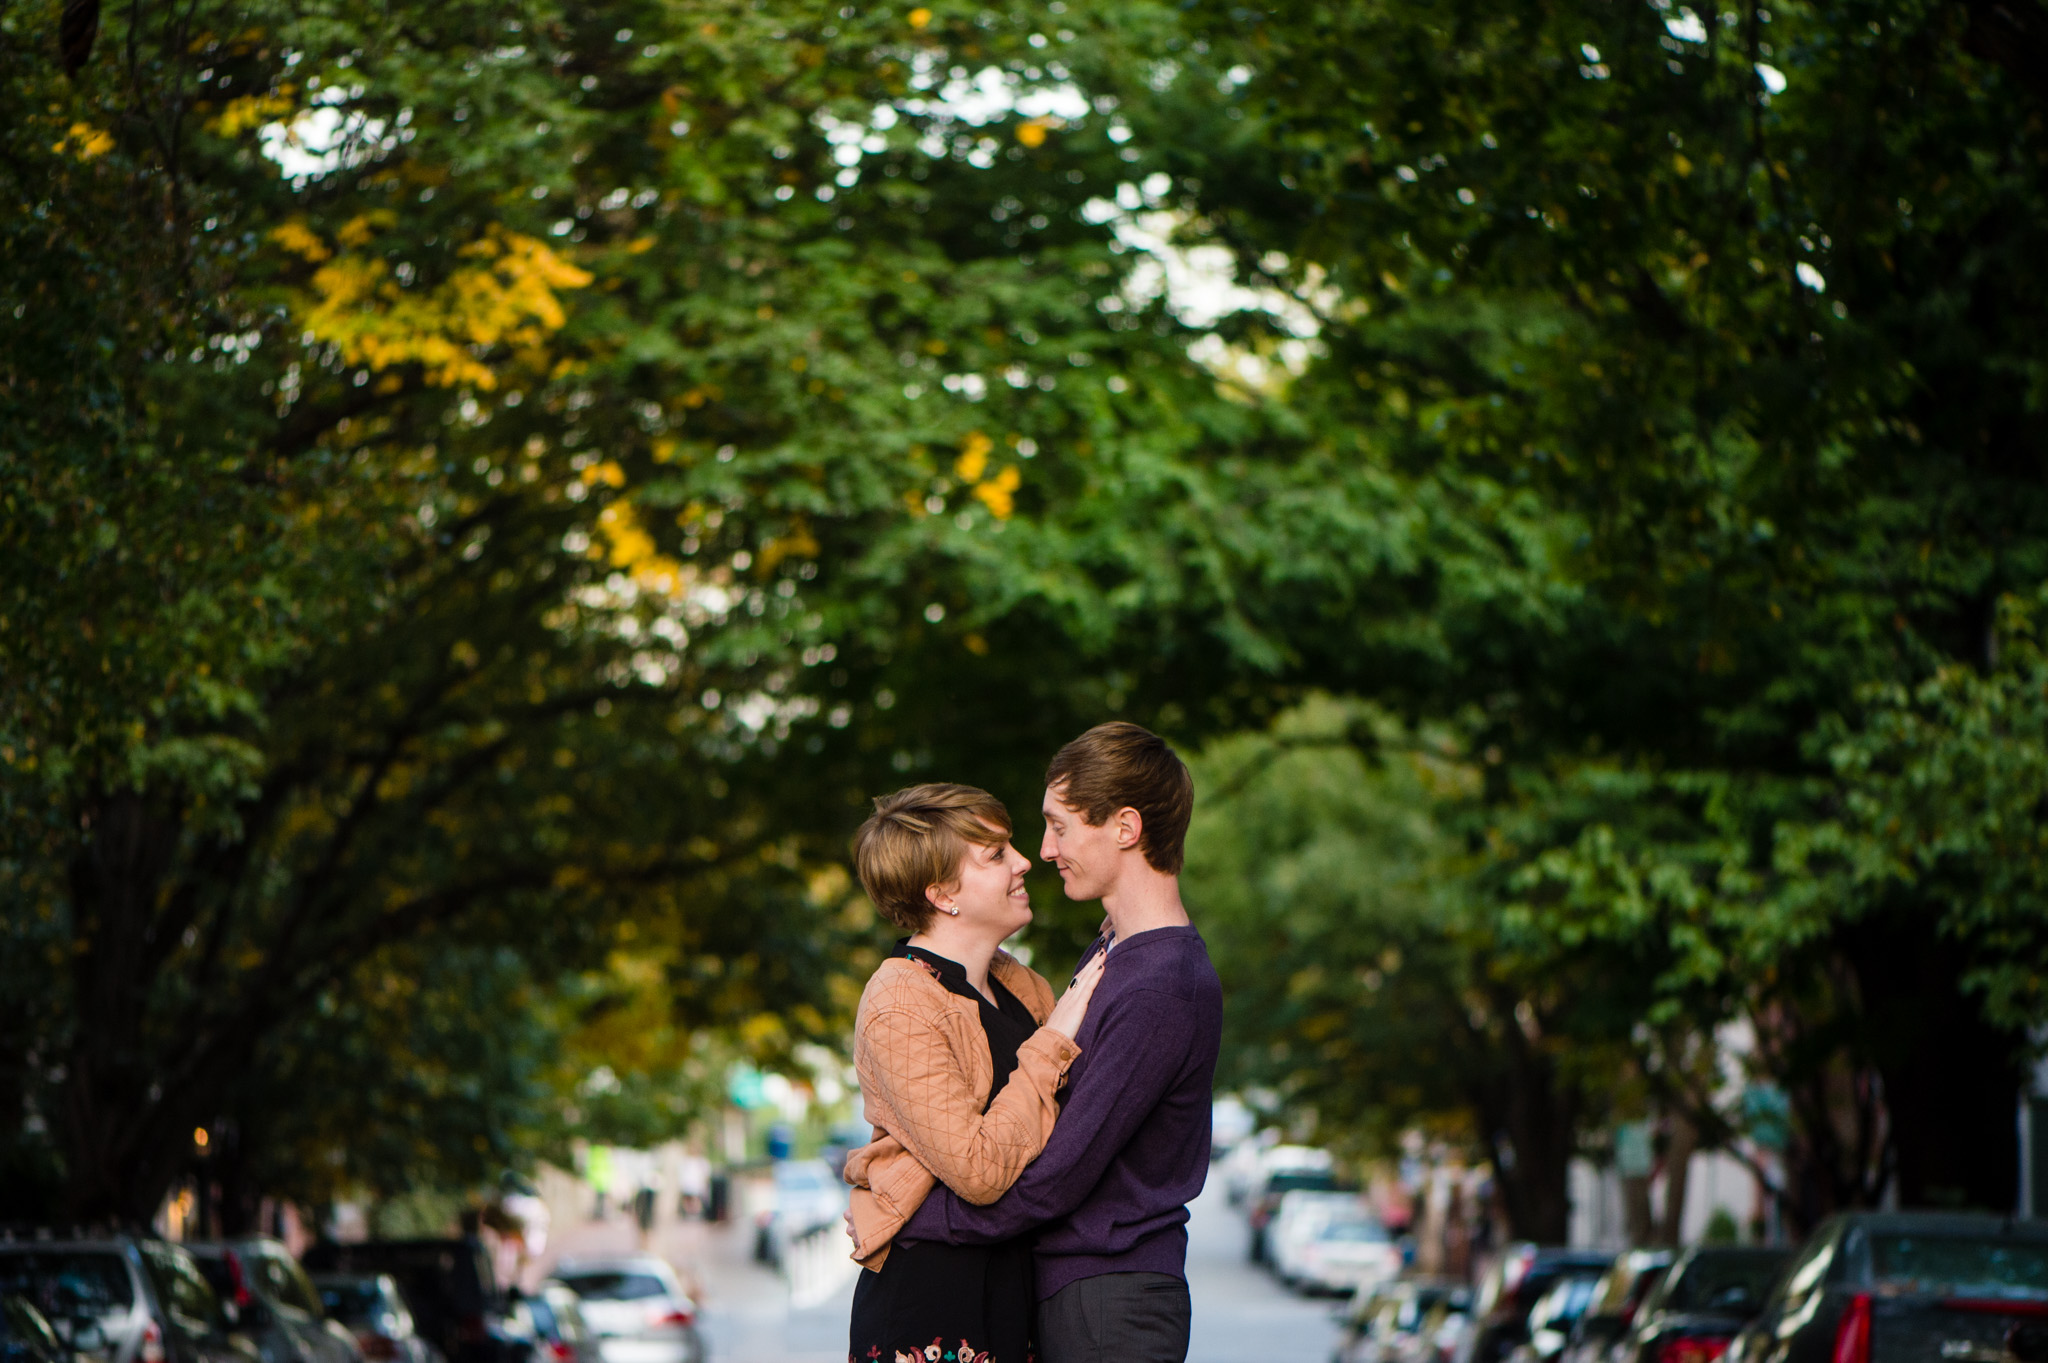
{"type": "Point", "coordinates": [937, 1352]}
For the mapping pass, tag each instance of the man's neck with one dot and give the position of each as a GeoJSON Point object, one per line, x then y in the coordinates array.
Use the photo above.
{"type": "Point", "coordinates": [1143, 899]}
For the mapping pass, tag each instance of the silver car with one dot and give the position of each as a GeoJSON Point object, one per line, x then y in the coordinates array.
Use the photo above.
{"type": "Point", "coordinates": [636, 1307]}
{"type": "Point", "coordinates": [122, 1299]}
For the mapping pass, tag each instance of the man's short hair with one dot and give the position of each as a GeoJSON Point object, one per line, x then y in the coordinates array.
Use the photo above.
{"type": "Point", "coordinates": [1120, 765]}
{"type": "Point", "coordinates": [916, 838]}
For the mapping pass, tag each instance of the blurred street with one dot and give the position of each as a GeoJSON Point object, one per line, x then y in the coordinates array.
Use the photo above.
{"type": "Point", "coordinates": [753, 1315]}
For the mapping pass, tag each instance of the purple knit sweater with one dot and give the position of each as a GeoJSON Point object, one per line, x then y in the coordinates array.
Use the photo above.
{"type": "Point", "coordinates": [1131, 1147]}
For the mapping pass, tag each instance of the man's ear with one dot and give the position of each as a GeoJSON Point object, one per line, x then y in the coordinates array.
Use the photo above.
{"type": "Point", "coordinates": [1130, 827]}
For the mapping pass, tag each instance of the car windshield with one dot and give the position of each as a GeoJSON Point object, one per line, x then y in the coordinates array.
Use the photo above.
{"type": "Point", "coordinates": [1736, 1283]}
{"type": "Point", "coordinates": [352, 1303]}
{"type": "Point", "coordinates": [1953, 1266]}
{"type": "Point", "coordinates": [615, 1286]}
{"type": "Point", "coordinates": [68, 1283]}
{"type": "Point", "coordinates": [1360, 1232]}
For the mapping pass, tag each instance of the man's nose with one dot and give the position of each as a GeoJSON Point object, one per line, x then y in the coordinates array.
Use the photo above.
{"type": "Point", "coordinates": [1048, 847]}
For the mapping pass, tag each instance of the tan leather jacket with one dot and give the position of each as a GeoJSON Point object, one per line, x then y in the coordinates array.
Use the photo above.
{"type": "Point", "coordinates": [925, 1073]}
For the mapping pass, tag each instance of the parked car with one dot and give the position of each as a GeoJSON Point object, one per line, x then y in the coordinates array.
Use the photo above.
{"type": "Point", "coordinates": [1509, 1291]}
{"type": "Point", "coordinates": [140, 1299]}
{"type": "Point", "coordinates": [25, 1337]}
{"type": "Point", "coordinates": [1329, 1242]}
{"type": "Point", "coordinates": [370, 1306]}
{"type": "Point", "coordinates": [1297, 1216]}
{"type": "Point", "coordinates": [273, 1303]}
{"type": "Point", "coordinates": [1553, 1317]}
{"type": "Point", "coordinates": [636, 1308]}
{"type": "Point", "coordinates": [1617, 1299]}
{"type": "Point", "coordinates": [449, 1290]}
{"type": "Point", "coordinates": [1284, 1169]}
{"type": "Point", "coordinates": [554, 1316]}
{"type": "Point", "coordinates": [1709, 1295]}
{"type": "Point", "coordinates": [1411, 1320]}
{"type": "Point", "coordinates": [807, 1197]}
{"type": "Point", "coordinates": [1899, 1286]}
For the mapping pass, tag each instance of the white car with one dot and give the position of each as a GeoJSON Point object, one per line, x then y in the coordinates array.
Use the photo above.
{"type": "Point", "coordinates": [636, 1307]}
{"type": "Point", "coordinates": [807, 1197]}
{"type": "Point", "coordinates": [1298, 1218]}
{"type": "Point", "coordinates": [1346, 1254]}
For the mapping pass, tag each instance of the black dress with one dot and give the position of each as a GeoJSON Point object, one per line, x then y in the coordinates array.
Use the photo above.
{"type": "Point", "coordinates": [938, 1303]}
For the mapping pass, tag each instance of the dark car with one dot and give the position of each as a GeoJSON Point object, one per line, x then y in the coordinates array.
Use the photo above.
{"type": "Point", "coordinates": [124, 1298]}
{"type": "Point", "coordinates": [555, 1316]}
{"type": "Point", "coordinates": [1899, 1287]}
{"type": "Point", "coordinates": [448, 1287]}
{"type": "Point", "coordinates": [1616, 1300]}
{"type": "Point", "coordinates": [370, 1306]}
{"type": "Point", "coordinates": [1709, 1295]}
{"type": "Point", "coordinates": [25, 1337]}
{"type": "Point", "coordinates": [274, 1303]}
{"type": "Point", "coordinates": [1511, 1289]}
{"type": "Point", "coordinates": [1403, 1321]}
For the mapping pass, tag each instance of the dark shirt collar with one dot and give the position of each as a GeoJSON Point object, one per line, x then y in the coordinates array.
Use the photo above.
{"type": "Point", "coordinates": [949, 970]}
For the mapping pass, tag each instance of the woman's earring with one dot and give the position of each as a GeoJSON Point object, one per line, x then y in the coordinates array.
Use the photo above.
{"type": "Point", "coordinates": [954, 912]}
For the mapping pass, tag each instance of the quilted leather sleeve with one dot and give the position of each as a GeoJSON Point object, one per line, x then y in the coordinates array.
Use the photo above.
{"type": "Point", "coordinates": [909, 1063]}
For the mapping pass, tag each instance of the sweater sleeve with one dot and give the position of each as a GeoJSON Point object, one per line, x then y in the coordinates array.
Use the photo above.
{"type": "Point", "coordinates": [908, 1061]}
{"type": "Point", "coordinates": [1134, 1057]}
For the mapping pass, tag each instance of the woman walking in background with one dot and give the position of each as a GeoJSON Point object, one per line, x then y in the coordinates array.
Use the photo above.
{"type": "Point", "coordinates": [961, 1053]}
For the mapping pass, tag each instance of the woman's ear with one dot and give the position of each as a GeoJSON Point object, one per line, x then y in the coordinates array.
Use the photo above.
{"type": "Point", "coordinates": [940, 898]}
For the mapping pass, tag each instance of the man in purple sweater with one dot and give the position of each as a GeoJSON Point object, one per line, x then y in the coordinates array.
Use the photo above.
{"type": "Point", "coordinates": [1109, 1194]}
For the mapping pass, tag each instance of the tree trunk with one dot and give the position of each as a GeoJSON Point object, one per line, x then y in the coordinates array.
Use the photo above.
{"type": "Point", "coordinates": [1951, 1079]}
{"type": "Point", "coordinates": [1677, 1173]}
{"type": "Point", "coordinates": [1531, 1128]}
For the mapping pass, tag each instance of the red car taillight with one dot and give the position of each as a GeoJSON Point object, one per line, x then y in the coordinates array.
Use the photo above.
{"type": "Point", "coordinates": [152, 1344]}
{"type": "Point", "coordinates": [377, 1346]}
{"type": "Point", "coordinates": [1691, 1349]}
{"type": "Point", "coordinates": [1852, 1334]}
{"type": "Point", "coordinates": [238, 1280]}
{"type": "Point", "coordinates": [661, 1317]}
{"type": "Point", "coordinates": [561, 1350]}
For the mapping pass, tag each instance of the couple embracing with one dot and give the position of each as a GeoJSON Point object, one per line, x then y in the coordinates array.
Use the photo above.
{"type": "Point", "coordinates": [1025, 1196]}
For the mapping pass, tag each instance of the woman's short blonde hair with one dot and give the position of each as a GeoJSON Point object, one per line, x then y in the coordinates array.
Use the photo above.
{"type": "Point", "coordinates": [916, 838]}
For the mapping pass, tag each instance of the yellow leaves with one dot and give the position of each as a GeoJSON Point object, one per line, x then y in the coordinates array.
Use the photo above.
{"type": "Point", "coordinates": [764, 312]}
{"type": "Point", "coordinates": [798, 364]}
{"type": "Point", "coordinates": [1680, 164]}
{"type": "Point", "coordinates": [242, 114]}
{"type": "Point", "coordinates": [799, 543]}
{"type": "Point", "coordinates": [464, 655]}
{"type": "Point", "coordinates": [358, 231]}
{"type": "Point", "coordinates": [639, 246]}
{"type": "Point", "coordinates": [973, 460]}
{"type": "Point", "coordinates": [920, 18]}
{"type": "Point", "coordinates": [998, 493]}
{"type": "Point", "coordinates": [609, 473]}
{"type": "Point", "coordinates": [628, 547]}
{"type": "Point", "coordinates": [300, 240]}
{"type": "Point", "coordinates": [1031, 132]}
{"type": "Point", "coordinates": [508, 297]}
{"type": "Point", "coordinates": [84, 142]}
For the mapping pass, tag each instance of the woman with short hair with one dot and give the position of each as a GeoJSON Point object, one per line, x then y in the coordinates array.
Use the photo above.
{"type": "Point", "coordinates": [961, 1053]}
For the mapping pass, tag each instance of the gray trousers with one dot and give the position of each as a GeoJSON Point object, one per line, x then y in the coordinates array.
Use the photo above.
{"type": "Point", "coordinates": [1116, 1318]}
